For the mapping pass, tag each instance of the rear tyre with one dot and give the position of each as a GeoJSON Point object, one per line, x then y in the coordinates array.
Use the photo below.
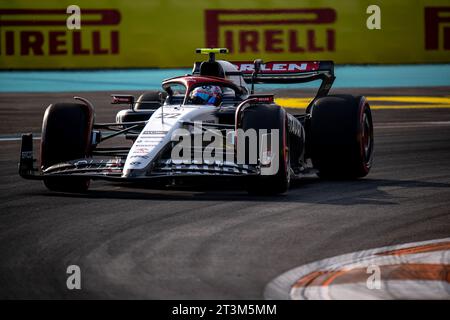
{"type": "Point", "coordinates": [268, 117]}
{"type": "Point", "coordinates": [341, 137]}
{"type": "Point", "coordinates": [66, 135]}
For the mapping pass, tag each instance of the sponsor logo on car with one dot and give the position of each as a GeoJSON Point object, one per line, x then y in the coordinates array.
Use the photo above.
{"type": "Point", "coordinates": [141, 150]}
{"type": "Point", "coordinates": [139, 156]}
{"type": "Point", "coordinates": [278, 67]}
{"type": "Point", "coordinates": [155, 132]}
{"type": "Point", "coordinates": [144, 145]}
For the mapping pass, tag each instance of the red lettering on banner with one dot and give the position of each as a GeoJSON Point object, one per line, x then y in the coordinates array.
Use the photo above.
{"type": "Point", "coordinates": [311, 36]}
{"type": "Point", "coordinates": [10, 44]}
{"type": "Point", "coordinates": [273, 30]}
{"type": "Point", "coordinates": [77, 48]}
{"type": "Point", "coordinates": [331, 40]}
{"type": "Point", "coordinates": [248, 40]}
{"type": "Point", "coordinates": [115, 42]}
{"type": "Point", "coordinates": [56, 42]}
{"type": "Point", "coordinates": [31, 40]}
{"type": "Point", "coordinates": [229, 41]}
{"type": "Point", "coordinates": [96, 44]}
{"type": "Point", "coordinates": [293, 45]}
{"type": "Point", "coordinates": [273, 40]}
{"type": "Point", "coordinates": [436, 19]}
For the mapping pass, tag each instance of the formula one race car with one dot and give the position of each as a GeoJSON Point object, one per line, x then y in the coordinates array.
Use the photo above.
{"type": "Point", "coordinates": [209, 124]}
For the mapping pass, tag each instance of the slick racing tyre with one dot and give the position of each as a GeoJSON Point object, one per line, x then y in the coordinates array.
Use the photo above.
{"type": "Point", "coordinates": [268, 117]}
{"type": "Point", "coordinates": [341, 137]}
{"type": "Point", "coordinates": [66, 135]}
{"type": "Point", "coordinates": [149, 101]}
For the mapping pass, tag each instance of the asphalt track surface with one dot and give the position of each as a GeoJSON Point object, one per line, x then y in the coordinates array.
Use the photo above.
{"type": "Point", "coordinates": [214, 242]}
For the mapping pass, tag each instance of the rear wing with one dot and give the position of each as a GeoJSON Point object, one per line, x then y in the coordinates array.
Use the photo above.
{"type": "Point", "coordinates": [288, 72]}
{"type": "Point", "coordinates": [275, 72]}
{"type": "Point", "coordinates": [285, 71]}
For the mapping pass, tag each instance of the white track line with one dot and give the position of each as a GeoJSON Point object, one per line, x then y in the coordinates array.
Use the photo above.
{"type": "Point", "coordinates": [17, 137]}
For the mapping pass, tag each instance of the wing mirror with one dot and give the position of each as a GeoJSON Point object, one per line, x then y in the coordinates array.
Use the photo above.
{"type": "Point", "coordinates": [257, 63]}
{"type": "Point", "coordinates": [123, 99]}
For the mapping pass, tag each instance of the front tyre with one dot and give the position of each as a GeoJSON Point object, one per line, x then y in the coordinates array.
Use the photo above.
{"type": "Point", "coordinates": [66, 135]}
{"type": "Point", "coordinates": [269, 117]}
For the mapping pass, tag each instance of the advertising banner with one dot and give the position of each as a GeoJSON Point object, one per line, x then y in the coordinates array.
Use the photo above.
{"type": "Point", "coordinates": [164, 34]}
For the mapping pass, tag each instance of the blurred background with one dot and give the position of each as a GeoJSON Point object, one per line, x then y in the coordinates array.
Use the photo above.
{"type": "Point", "coordinates": [140, 35]}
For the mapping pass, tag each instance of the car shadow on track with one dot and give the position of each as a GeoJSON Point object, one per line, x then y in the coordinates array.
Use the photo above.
{"type": "Point", "coordinates": [307, 190]}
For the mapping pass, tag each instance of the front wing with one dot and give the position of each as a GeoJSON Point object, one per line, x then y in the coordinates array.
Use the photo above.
{"type": "Point", "coordinates": [112, 168]}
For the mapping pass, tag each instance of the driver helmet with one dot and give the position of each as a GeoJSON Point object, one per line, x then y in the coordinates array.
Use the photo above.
{"type": "Point", "coordinates": [207, 95]}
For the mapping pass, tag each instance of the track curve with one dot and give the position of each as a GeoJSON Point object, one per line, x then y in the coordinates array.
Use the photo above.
{"type": "Point", "coordinates": [218, 242]}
